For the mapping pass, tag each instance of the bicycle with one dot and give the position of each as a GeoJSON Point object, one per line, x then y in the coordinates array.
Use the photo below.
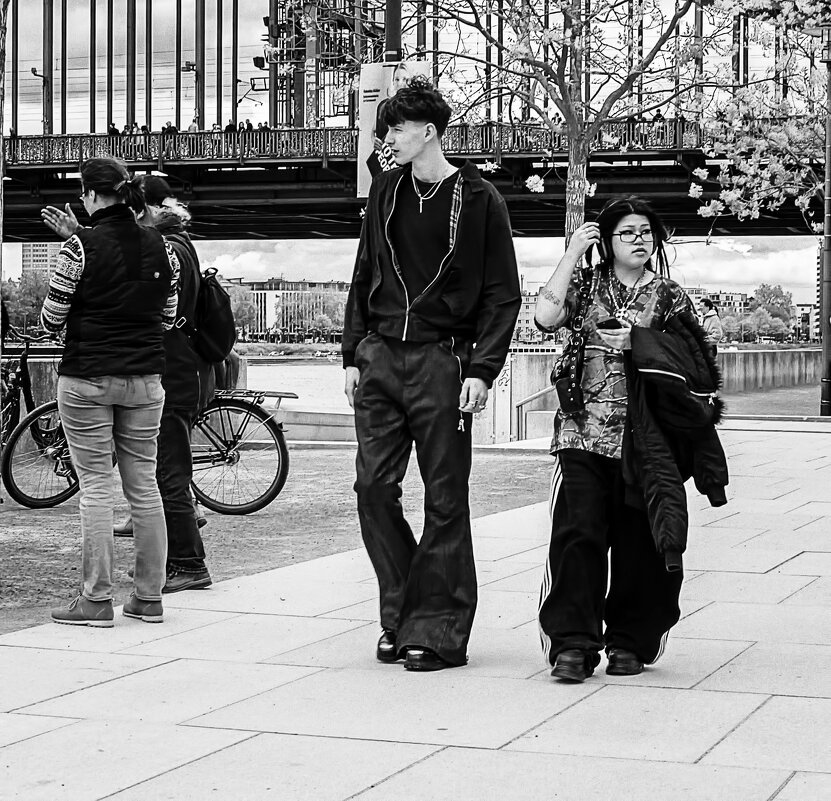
{"type": "Point", "coordinates": [240, 456]}
{"type": "Point", "coordinates": [17, 381]}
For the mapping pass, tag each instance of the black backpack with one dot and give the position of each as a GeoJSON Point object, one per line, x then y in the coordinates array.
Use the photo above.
{"type": "Point", "coordinates": [212, 331]}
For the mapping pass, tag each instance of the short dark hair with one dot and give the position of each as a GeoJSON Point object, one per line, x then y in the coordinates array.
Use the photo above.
{"type": "Point", "coordinates": [419, 101]}
{"type": "Point", "coordinates": [615, 210]}
{"type": "Point", "coordinates": [708, 303]}
{"type": "Point", "coordinates": [110, 177]}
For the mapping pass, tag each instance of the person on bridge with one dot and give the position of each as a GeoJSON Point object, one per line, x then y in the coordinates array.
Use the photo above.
{"type": "Point", "coordinates": [435, 275]}
{"type": "Point", "coordinates": [114, 289]}
{"type": "Point", "coordinates": [187, 381]}
{"type": "Point", "coordinates": [621, 453]}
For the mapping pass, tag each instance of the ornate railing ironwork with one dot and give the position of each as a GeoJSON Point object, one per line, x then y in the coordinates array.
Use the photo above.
{"type": "Point", "coordinates": [489, 140]}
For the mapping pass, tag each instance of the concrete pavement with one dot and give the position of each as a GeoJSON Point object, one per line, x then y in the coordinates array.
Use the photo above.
{"type": "Point", "coordinates": [266, 686]}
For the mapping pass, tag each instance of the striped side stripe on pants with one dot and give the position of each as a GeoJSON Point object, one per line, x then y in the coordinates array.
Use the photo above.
{"type": "Point", "coordinates": [545, 589]}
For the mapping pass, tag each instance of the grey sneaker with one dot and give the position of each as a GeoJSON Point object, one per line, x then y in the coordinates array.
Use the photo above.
{"type": "Point", "coordinates": [178, 581]}
{"type": "Point", "coordinates": [148, 611]}
{"type": "Point", "coordinates": [83, 612]}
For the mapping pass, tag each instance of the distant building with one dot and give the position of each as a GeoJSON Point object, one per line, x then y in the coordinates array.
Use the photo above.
{"type": "Point", "coordinates": [807, 322]}
{"type": "Point", "coordinates": [732, 303]}
{"type": "Point", "coordinates": [293, 306]}
{"type": "Point", "coordinates": [39, 257]}
{"type": "Point", "coordinates": [696, 293]}
{"type": "Point", "coordinates": [525, 329]}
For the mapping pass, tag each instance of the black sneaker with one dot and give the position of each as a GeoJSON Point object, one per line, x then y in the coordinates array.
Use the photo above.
{"type": "Point", "coordinates": [572, 665]}
{"type": "Point", "coordinates": [178, 581]}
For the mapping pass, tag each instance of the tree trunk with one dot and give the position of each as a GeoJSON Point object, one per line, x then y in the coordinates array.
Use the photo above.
{"type": "Point", "coordinates": [576, 185]}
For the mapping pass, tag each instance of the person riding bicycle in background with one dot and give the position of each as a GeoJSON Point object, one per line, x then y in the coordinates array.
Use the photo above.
{"type": "Point", "coordinates": [187, 381]}
{"type": "Point", "coordinates": [114, 289]}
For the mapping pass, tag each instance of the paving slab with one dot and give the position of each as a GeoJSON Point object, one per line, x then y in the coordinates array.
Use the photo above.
{"type": "Point", "coordinates": [284, 767]}
{"type": "Point", "coordinates": [171, 693]}
{"type": "Point", "coordinates": [466, 774]}
{"type": "Point", "coordinates": [783, 623]}
{"type": "Point", "coordinates": [651, 723]}
{"type": "Point", "coordinates": [817, 593]}
{"type": "Point", "coordinates": [776, 669]}
{"type": "Point", "coordinates": [31, 675]}
{"type": "Point", "coordinates": [245, 638]}
{"type": "Point", "coordinates": [442, 708]}
{"type": "Point", "coordinates": [15, 728]}
{"type": "Point", "coordinates": [806, 787]}
{"type": "Point", "coordinates": [90, 760]}
{"type": "Point", "coordinates": [744, 587]}
{"type": "Point", "coordinates": [126, 633]}
{"type": "Point", "coordinates": [784, 733]}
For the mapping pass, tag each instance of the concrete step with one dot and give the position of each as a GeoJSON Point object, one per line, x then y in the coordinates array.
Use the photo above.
{"type": "Point", "coordinates": [317, 426]}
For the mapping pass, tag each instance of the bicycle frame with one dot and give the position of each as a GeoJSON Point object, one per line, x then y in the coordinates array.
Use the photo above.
{"type": "Point", "coordinates": [227, 442]}
{"type": "Point", "coordinates": [19, 383]}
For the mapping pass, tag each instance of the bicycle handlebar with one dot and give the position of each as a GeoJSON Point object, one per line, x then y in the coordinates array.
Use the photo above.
{"type": "Point", "coordinates": [19, 335]}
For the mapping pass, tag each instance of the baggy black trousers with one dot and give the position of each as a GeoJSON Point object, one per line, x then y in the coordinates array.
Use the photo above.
{"type": "Point", "coordinates": [174, 470]}
{"type": "Point", "coordinates": [589, 521]}
{"type": "Point", "coordinates": [408, 393]}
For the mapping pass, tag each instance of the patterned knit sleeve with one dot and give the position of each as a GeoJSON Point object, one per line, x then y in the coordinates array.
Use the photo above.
{"type": "Point", "coordinates": [169, 313]}
{"type": "Point", "coordinates": [62, 285]}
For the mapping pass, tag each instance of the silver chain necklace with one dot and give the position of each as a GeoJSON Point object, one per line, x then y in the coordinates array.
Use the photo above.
{"type": "Point", "coordinates": [428, 194]}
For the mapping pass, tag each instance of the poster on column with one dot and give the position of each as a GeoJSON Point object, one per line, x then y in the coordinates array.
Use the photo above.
{"type": "Point", "coordinates": [379, 82]}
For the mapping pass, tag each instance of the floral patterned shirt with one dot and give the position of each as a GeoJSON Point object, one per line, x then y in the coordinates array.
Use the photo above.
{"type": "Point", "coordinates": [599, 429]}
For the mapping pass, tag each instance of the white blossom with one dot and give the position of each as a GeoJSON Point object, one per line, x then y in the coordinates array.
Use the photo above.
{"type": "Point", "coordinates": [535, 183]}
{"type": "Point", "coordinates": [701, 173]}
{"type": "Point", "coordinates": [592, 188]}
{"type": "Point", "coordinates": [696, 190]}
{"type": "Point", "coordinates": [488, 166]}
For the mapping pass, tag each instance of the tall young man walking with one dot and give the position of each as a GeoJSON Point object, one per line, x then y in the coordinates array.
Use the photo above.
{"type": "Point", "coordinates": [429, 319]}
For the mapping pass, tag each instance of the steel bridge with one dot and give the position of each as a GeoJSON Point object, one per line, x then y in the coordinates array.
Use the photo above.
{"type": "Point", "coordinates": [300, 183]}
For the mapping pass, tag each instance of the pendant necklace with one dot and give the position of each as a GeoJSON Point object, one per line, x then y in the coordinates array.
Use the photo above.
{"type": "Point", "coordinates": [428, 194]}
{"type": "Point", "coordinates": [621, 305]}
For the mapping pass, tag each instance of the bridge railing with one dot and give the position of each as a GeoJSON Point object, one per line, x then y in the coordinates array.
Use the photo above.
{"type": "Point", "coordinates": [491, 139]}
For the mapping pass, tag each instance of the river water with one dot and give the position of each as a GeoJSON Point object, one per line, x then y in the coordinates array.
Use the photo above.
{"type": "Point", "coordinates": [319, 384]}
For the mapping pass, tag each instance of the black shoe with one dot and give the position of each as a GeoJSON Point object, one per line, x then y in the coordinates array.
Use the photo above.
{"type": "Point", "coordinates": [386, 650]}
{"type": "Point", "coordinates": [178, 581]}
{"type": "Point", "coordinates": [572, 665]}
{"type": "Point", "coordinates": [424, 659]}
{"type": "Point", "coordinates": [623, 663]}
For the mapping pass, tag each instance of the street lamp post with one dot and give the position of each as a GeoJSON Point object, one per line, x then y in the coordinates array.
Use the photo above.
{"type": "Point", "coordinates": [47, 106]}
{"type": "Point", "coordinates": [825, 261]}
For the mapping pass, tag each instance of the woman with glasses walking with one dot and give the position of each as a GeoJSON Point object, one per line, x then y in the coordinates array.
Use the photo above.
{"type": "Point", "coordinates": [597, 507]}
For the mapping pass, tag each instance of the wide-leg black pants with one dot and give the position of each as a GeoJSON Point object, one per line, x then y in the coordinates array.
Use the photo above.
{"type": "Point", "coordinates": [591, 520]}
{"type": "Point", "coordinates": [409, 393]}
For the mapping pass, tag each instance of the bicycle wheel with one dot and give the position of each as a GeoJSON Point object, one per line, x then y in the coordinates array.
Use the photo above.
{"type": "Point", "coordinates": [240, 458]}
{"type": "Point", "coordinates": [36, 466]}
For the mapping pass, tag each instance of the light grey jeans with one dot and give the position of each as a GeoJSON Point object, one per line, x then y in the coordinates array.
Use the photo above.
{"type": "Point", "coordinates": [97, 414]}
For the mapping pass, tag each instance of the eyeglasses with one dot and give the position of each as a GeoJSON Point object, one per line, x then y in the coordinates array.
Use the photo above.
{"type": "Point", "coordinates": [630, 237]}
{"type": "Point", "coordinates": [83, 195]}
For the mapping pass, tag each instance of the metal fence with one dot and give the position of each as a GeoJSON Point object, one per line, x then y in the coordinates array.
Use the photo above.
{"type": "Point", "coordinates": [314, 144]}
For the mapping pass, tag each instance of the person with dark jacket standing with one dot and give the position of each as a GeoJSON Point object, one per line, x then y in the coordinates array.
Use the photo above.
{"type": "Point", "coordinates": [186, 379]}
{"type": "Point", "coordinates": [114, 289]}
{"type": "Point", "coordinates": [187, 382]}
{"type": "Point", "coordinates": [435, 275]}
{"type": "Point", "coordinates": [595, 508]}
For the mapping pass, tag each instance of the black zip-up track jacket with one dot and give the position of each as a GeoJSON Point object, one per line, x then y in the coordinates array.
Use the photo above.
{"type": "Point", "coordinates": [670, 433]}
{"type": "Point", "coordinates": [475, 295]}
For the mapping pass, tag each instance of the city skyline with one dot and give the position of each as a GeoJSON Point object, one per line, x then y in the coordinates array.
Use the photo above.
{"type": "Point", "coordinates": [738, 264]}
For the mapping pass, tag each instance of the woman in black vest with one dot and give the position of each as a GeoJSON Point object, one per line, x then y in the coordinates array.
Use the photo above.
{"type": "Point", "coordinates": [114, 290]}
